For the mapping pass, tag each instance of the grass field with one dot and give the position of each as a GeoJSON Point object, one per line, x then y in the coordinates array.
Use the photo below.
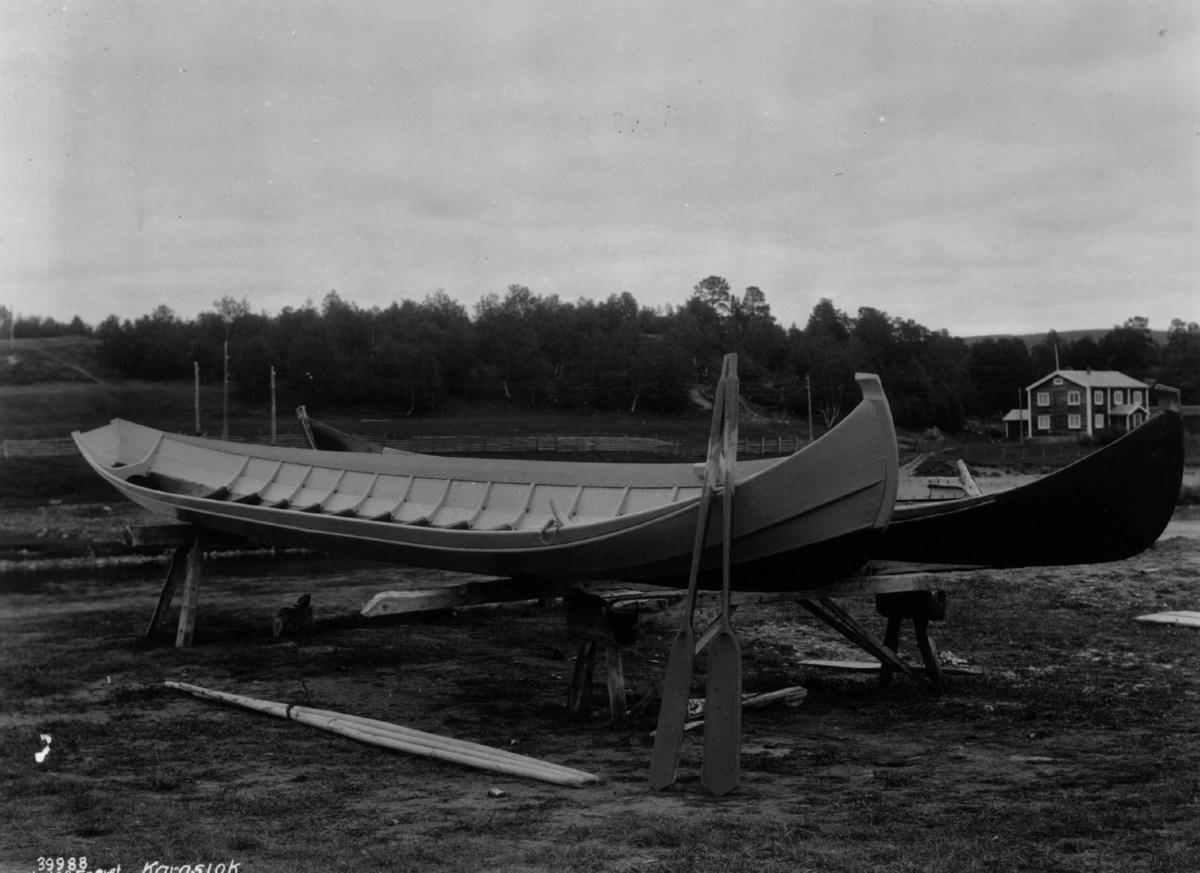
{"type": "Point", "coordinates": [1077, 750]}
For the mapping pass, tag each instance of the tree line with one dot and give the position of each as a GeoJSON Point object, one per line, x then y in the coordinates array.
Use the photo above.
{"type": "Point", "coordinates": [538, 350]}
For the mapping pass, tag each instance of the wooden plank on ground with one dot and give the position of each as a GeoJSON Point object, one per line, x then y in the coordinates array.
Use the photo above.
{"type": "Point", "coordinates": [873, 667]}
{"type": "Point", "coordinates": [467, 594]}
{"type": "Point", "coordinates": [1179, 616]}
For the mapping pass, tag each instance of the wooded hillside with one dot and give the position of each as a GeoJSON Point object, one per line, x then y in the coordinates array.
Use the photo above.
{"type": "Point", "coordinates": [539, 351]}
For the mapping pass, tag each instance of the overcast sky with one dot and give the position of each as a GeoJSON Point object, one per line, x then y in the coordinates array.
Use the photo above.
{"type": "Point", "coordinates": [983, 167]}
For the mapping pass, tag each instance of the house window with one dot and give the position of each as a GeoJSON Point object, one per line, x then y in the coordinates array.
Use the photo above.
{"type": "Point", "coordinates": [1137, 397]}
{"type": "Point", "coordinates": [1098, 422]}
{"type": "Point", "coordinates": [1043, 422]}
{"type": "Point", "coordinates": [1074, 422]}
{"type": "Point", "coordinates": [1043, 398]}
{"type": "Point", "coordinates": [1118, 398]}
{"type": "Point", "coordinates": [1072, 398]}
{"type": "Point", "coordinates": [1098, 398]}
{"type": "Point", "coordinates": [1058, 380]}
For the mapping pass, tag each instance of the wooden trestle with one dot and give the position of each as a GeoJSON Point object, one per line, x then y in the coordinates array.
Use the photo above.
{"type": "Point", "coordinates": [598, 616]}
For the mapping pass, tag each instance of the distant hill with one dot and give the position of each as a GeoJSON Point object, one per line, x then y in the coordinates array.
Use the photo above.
{"type": "Point", "coordinates": [54, 359]}
{"type": "Point", "coordinates": [1032, 339]}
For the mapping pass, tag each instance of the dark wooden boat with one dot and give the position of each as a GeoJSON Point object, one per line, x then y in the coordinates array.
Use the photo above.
{"type": "Point", "coordinates": [1109, 506]}
{"type": "Point", "coordinates": [813, 516]}
{"type": "Point", "coordinates": [322, 437]}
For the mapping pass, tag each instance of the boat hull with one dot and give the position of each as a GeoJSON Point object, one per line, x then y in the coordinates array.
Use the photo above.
{"type": "Point", "coordinates": [808, 518]}
{"type": "Point", "coordinates": [1109, 506]}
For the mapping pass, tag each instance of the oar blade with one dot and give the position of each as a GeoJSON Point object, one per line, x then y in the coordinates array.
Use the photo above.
{"type": "Point", "coordinates": [721, 772]}
{"type": "Point", "coordinates": [672, 713]}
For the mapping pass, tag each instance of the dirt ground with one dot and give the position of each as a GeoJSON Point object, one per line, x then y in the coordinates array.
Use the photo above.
{"type": "Point", "coordinates": [1077, 748]}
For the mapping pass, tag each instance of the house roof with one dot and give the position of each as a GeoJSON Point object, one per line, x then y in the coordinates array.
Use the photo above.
{"type": "Point", "coordinates": [1017, 415]}
{"type": "Point", "coordinates": [1092, 379]}
{"type": "Point", "coordinates": [1127, 409]}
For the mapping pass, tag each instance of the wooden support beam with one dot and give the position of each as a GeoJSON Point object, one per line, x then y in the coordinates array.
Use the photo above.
{"type": "Point", "coordinates": [845, 624]}
{"type": "Point", "coordinates": [891, 639]}
{"type": "Point", "coordinates": [590, 617]}
{"type": "Point", "coordinates": [616, 684]}
{"type": "Point", "coordinates": [176, 570]}
{"type": "Point", "coordinates": [929, 605]}
{"type": "Point", "coordinates": [929, 653]}
{"type": "Point", "coordinates": [191, 591]}
{"type": "Point", "coordinates": [579, 700]}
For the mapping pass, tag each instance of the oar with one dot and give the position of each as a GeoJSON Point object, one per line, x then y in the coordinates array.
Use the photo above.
{"type": "Point", "coordinates": [723, 697]}
{"type": "Point", "coordinates": [677, 683]}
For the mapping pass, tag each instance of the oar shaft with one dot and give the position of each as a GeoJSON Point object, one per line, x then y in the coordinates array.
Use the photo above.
{"type": "Point", "coordinates": [677, 681]}
{"type": "Point", "coordinates": [404, 739]}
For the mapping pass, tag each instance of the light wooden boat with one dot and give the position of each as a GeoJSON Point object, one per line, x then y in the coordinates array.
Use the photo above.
{"type": "Point", "coordinates": [809, 517]}
{"type": "Point", "coordinates": [1111, 505]}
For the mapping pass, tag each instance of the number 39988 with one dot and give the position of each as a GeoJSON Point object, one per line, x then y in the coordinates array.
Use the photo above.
{"type": "Point", "coordinates": [62, 865]}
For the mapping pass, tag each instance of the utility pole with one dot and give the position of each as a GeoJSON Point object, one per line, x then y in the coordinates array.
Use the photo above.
{"type": "Point", "coordinates": [225, 402]}
{"type": "Point", "coordinates": [808, 388]}
{"type": "Point", "coordinates": [272, 406]}
{"type": "Point", "coordinates": [196, 370]}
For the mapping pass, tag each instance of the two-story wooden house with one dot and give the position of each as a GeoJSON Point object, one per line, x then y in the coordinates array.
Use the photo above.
{"type": "Point", "coordinates": [1085, 402]}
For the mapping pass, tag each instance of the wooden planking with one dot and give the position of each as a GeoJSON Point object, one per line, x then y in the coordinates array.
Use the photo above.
{"type": "Point", "coordinates": [598, 504]}
{"type": "Point", "coordinates": [505, 504]}
{"type": "Point", "coordinates": [640, 499]}
{"type": "Point", "coordinates": [424, 498]}
{"type": "Point", "coordinates": [203, 465]}
{"type": "Point", "coordinates": [350, 492]}
{"type": "Point", "coordinates": [256, 476]}
{"type": "Point", "coordinates": [287, 481]}
{"type": "Point", "coordinates": [321, 482]}
{"type": "Point", "coordinates": [464, 499]}
{"type": "Point", "coordinates": [385, 497]}
{"type": "Point", "coordinates": [1182, 617]}
{"type": "Point", "coordinates": [539, 513]}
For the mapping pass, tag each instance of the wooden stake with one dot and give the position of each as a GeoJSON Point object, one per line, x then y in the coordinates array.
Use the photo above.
{"type": "Point", "coordinates": [191, 591]}
{"type": "Point", "coordinates": [175, 570]}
